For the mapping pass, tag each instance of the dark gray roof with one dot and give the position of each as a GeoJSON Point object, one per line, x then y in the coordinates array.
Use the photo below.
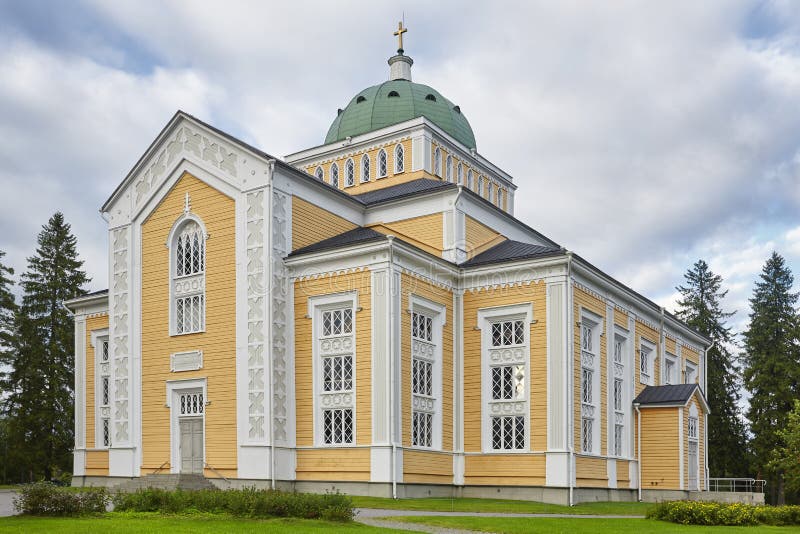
{"type": "Point", "coordinates": [393, 192]}
{"type": "Point", "coordinates": [350, 237]}
{"type": "Point", "coordinates": [509, 251]}
{"type": "Point", "coordinates": [666, 395]}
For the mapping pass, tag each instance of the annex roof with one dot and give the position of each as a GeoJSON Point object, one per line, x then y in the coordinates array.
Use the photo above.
{"type": "Point", "coordinates": [669, 395]}
{"type": "Point", "coordinates": [509, 251]}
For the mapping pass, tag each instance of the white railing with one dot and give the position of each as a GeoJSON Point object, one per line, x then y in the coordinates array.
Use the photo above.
{"type": "Point", "coordinates": [737, 485]}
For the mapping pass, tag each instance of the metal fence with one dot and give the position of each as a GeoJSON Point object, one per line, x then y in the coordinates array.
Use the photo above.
{"type": "Point", "coordinates": [737, 485]}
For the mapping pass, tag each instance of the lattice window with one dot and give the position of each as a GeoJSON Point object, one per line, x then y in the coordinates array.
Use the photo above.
{"type": "Point", "coordinates": [422, 326]}
{"type": "Point", "coordinates": [365, 168]}
{"type": "Point", "coordinates": [189, 314]}
{"type": "Point", "coordinates": [587, 437]}
{"type": "Point", "coordinates": [460, 174]}
{"type": "Point", "coordinates": [399, 163]}
{"type": "Point", "coordinates": [669, 369]}
{"type": "Point", "coordinates": [337, 373]}
{"type": "Point", "coordinates": [469, 179]}
{"type": "Point", "coordinates": [449, 168]}
{"type": "Point", "coordinates": [587, 377]}
{"type": "Point", "coordinates": [319, 174]}
{"type": "Point", "coordinates": [508, 382]}
{"type": "Point", "coordinates": [383, 165]}
{"type": "Point", "coordinates": [102, 402]}
{"type": "Point", "coordinates": [337, 322]}
{"type": "Point", "coordinates": [693, 428]}
{"type": "Point", "coordinates": [190, 403]}
{"type": "Point", "coordinates": [104, 350]}
{"type": "Point", "coordinates": [190, 250]}
{"type": "Point", "coordinates": [337, 426]}
{"type": "Point", "coordinates": [618, 350]}
{"type": "Point", "coordinates": [644, 366]}
{"type": "Point", "coordinates": [105, 393]}
{"type": "Point", "coordinates": [437, 162]}
{"type": "Point", "coordinates": [106, 430]}
{"type": "Point", "coordinates": [618, 394]}
{"type": "Point", "coordinates": [586, 338]}
{"type": "Point", "coordinates": [349, 173]}
{"type": "Point", "coordinates": [508, 432]}
{"type": "Point", "coordinates": [506, 333]}
{"type": "Point", "coordinates": [422, 429]}
{"type": "Point", "coordinates": [335, 175]}
{"type": "Point", "coordinates": [618, 439]}
{"type": "Point", "coordinates": [421, 377]}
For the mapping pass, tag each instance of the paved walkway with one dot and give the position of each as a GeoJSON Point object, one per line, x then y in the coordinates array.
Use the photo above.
{"type": "Point", "coordinates": [7, 503]}
{"type": "Point", "coordinates": [381, 517]}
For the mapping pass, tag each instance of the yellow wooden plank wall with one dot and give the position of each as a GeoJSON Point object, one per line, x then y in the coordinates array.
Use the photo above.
{"type": "Point", "coordinates": [97, 463]}
{"type": "Point", "coordinates": [414, 286]}
{"type": "Point", "coordinates": [425, 232]}
{"type": "Point", "coordinates": [591, 472]}
{"type": "Point", "coordinates": [621, 318]}
{"type": "Point", "coordinates": [218, 342]}
{"type": "Point", "coordinates": [660, 453]}
{"type": "Point", "coordinates": [623, 474]}
{"type": "Point", "coordinates": [427, 467]}
{"type": "Point", "coordinates": [351, 464]}
{"type": "Point", "coordinates": [585, 300]}
{"type": "Point", "coordinates": [505, 469]}
{"type": "Point", "coordinates": [701, 441]}
{"type": "Point", "coordinates": [479, 236]}
{"type": "Point", "coordinates": [644, 331]}
{"type": "Point", "coordinates": [311, 224]}
{"type": "Point", "coordinates": [97, 322]}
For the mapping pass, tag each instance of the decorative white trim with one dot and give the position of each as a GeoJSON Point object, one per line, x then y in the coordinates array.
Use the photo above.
{"type": "Point", "coordinates": [191, 360]}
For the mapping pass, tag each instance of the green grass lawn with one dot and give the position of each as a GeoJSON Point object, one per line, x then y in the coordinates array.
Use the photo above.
{"type": "Point", "coordinates": [152, 523]}
{"type": "Point", "coordinates": [502, 525]}
{"type": "Point", "coordinates": [502, 506]}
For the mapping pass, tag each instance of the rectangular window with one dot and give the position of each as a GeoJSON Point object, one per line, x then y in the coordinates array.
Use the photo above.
{"type": "Point", "coordinates": [507, 333]}
{"type": "Point", "coordinates": [337, 373]}
{"type": "Point", "coordinates": [692, 427]}
{"type": "Point", "coordinates": [102, 389]}
{"type": "Point", "coordinates": [644, 366]}
{"type": "Point", "coordinates": [618, 431]}
{"type": "Point", "coordinates": [338, 426]}
{"type": "Point", "coordinates": [106, 432]}
{"type": "Point", "coordinates": [618, 394]}
{"type": "Point", "coordinates": [690, 374]}
{"type": "Point", "coordinates": [422, 429]}
{"type": "Point", "coordinates": [425, 386]}
{"type": "Point", "coordinates": [669, 370]}
{"type": "Point", "coordinates": [586, 338]}
{"type": "Point", "coordinates": [337, 322]}
{"type": "Point", "coordinates": [422, 377]}
{"type": "Point", "coordinates": [587, 424]}
{"type": "Point", "coordinates": [618, 350]}
{"type": "Point", "coordinates": [590, 357]}
{"type": "Point", "coordinates": [189, 314]}
{"type": "Point", "coordinates": [422, 327]}
{"type": "Point", "coordinates": [587, 375]}
{"type": "Point", "coordinates": [508, 382]}
{"type": "Point", "coordinates": [508, 433]}
{"type": "Point", "coordinates": [104, 350]}
{"type": "Point", "coordinates": [191, 404]}
{"type": "Point", "coordinates": [105, 391]}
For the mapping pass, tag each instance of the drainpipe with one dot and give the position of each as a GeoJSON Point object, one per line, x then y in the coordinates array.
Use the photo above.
{"type": "Point", "coordinates": [662, 349]}
{"type": "Point", "coordinates": [571, 383]}
{"type": "Point", "coordinates": [705, 416]}
{"type": "Point", "coordinates": [639, 446]}
{"type": "Point", "coordinates": [392, 433]}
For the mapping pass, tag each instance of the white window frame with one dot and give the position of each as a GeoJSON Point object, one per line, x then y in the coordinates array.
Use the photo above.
{"type": "Point", "coordinates": [399, 159]}
{"type": "Point", "coordinates": [438, 313]}
{"type": "Point", "coordinates": [491, 192]}
{"type": "Point", "coordinates": [694, 415]}
{"type": "Point", "coordinates": [460, 174]}
{"type": "Point", "coordinates": [646, 352]}
{"type": "Point", "coordinates": [449, 168]}
{"type": "Point", "coordinates": [319, 173]}
{"type": "Point", "coordinates": [691, 369]}
{"type": "Point", "coordinates": [335, 175]}
{"type": "Point", "coordinates": [590, 362]}
{"type": "Point", "coordinates": [486, 317]}
{"type": "Point", "coordinates": [437, 162]}
{"type": "Point", "coordinates": [176, 388]}
{"type": "Point", "coordinates": [349, 173]}
{"type": "Point", "coordinates": [338, 399]}
{"type": "Point", "coordinates": [470, 178]}
{"type": "Point", "coordinates": [101, 369]}
{"type": "Point", "coordinates": [186, 286]}
{"type": "Point", "coordinates": [619, 370]}
{"type": "Point", "coordinates": [669, 374]}
{"type": "Point", "coordinates": [383, 164]}
{"type": "Point", "coordinates": [365, 168]}
{"type": "Point", "coordinates": [480, 186]}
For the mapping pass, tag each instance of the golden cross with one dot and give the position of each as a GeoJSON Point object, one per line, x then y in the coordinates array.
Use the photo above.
{"type": "Point", "coordinates": [399, 33]}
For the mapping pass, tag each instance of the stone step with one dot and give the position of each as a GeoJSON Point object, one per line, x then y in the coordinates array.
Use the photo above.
{"type": "Point", "coordinates": [168, 481]}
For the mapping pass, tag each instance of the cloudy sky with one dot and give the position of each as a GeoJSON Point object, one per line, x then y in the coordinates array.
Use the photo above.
{"type": "Point", "coordinates": [642, 135]}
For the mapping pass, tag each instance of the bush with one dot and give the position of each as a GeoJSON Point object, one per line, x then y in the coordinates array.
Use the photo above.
{"type": "Point", "coordinates": [714, 513]}
{"type": "Point", "coordinates": [45, 498]}
{"type": "Point", "coordinates": [248, 502]}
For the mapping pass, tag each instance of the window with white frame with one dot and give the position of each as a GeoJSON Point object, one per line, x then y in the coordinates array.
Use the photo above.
{"type": "Point", "coordinates": [460, 174]}
{"type": "Point", "coordinates": [469, 179]}
{"type": "Point", "coordinates": [437, 161]}
{"type": "Point", "coordinates": [619, 396]}
{"type": "Point", "coordinates": [349, 173]}
{"type": "Point", "coordinates": [334, 369]}
{"type": "Point", "coordinates": [449, 168]}
{"type": "Point", "coordinates": [693, 449]}
{"type": "Point", "coordinates": [670, 367]}
{"type": "Point", "coordinates": [383, 165]}
{"type": "Point", "coordinates": [506, 354]}
{"type": "Point", "coordinates": [319, 174]}
{"type": "Point", "coordinates": [335, 175]}
{"type": "Point", "coordinates": [399, 163]}
{"type": "Point", "coordinates": [365, 168]}
{"type": "Point", "coordinates": [491, 192]}
{"type": "Point", "coordinates": [646, 356]}
{"type": "Point", "coordinates": [590, 384]}
{"type": "Point", "coordinates": [690, 373]}
{"type": "Point", "coordinates": [188, 278]}
{"type": "Point", "coordinates": [480, 185]}
{"type": "Point", "coordinates": [426, 374]}
{"type": "Point", "coordinates": [102, 392]}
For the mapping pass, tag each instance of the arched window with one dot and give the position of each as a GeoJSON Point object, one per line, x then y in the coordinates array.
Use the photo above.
{"type": "Point", "coordinates": [335, 175]}
{"type": "Point", "coordinates": [399, 163]}
{"type": "Point", "coordinates": [320, 174]}
{"type": "Point", "coordinates": [437, 161]}
{"type": "Point", "coordinates": [491, 193]}
{"type": "Point", "coordinates": [469, 179]}
{"type": "Point", "coordinates": [349, 173]}
{"type": "Point", "coordinates": [393, 94]}
{"type": "Point", "coordinates": [460, 174]}
{"type": "Point", "coordinates": [383, 165]}
{"type": "Point", "coordinates": [365, 168]}
{"type": "Point", "coordinates": [188, 247]}
{"type": "Point", "coordinates": [480, 185]}
{"type": "Point", "coordinates": [449, 168]}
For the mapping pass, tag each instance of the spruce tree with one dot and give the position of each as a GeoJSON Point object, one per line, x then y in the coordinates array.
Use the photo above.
{"type": "Point", "coordinates": [40, 405]}
{"type": "Point", "coordinates": [8, 309]}
{"type": "Point", "coordinates": [772, 366]}
{"type": "Point", "coordinates": [700, 307]}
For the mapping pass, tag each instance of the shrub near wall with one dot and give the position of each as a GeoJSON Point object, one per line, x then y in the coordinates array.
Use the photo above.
{"type": "Point", "coordinates": [712, 513]}
{"type": "Point", "coordinates": [44, 498]}
{"type": "Point", "coordinates": [248, 502]}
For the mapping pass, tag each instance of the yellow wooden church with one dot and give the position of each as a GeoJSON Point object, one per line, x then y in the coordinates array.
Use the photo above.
{"type": "Point", "coordinates": [368, 315]}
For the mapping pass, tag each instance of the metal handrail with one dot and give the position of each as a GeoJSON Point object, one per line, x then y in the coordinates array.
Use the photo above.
{"type": "Point", "coordinates": [160, 468]}
{"type": "Point", "coordinates": [220, 475]}
{"type": "Point", "coordinates": [737, 485]}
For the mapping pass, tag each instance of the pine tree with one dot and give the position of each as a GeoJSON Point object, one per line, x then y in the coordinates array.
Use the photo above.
{"type": "Point", "coordinates": [700, 307]}
{"type": "Point", "coordinates": [772, 365]}
{"type": "Point", "coordinates": [40, 405]}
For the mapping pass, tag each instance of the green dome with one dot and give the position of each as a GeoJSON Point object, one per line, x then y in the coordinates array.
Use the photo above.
{"type": "Point", "coordinates": [373, 108]}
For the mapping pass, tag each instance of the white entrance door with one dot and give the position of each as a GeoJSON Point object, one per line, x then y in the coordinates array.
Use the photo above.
{"type": "Point", "coordinates": [191, 444]}
{"type": "Point", "coordinates": [692, 465]}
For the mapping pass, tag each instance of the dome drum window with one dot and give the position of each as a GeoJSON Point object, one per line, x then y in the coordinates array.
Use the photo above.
{"type": "Point", "coordinates": [319, 174]}
{"type": "Point", "coordinates": [383, 166]}
{"type": "Point", "coordinates": [437, 162]}
{"type": "Point", "coordinates": [335, 175]}
{"type": "Point", "coordinates": [365, 168]}
{"type": "Point", "coordinates": [399, 163]}
{"type": "Point", "coordinates": [349, 173]}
